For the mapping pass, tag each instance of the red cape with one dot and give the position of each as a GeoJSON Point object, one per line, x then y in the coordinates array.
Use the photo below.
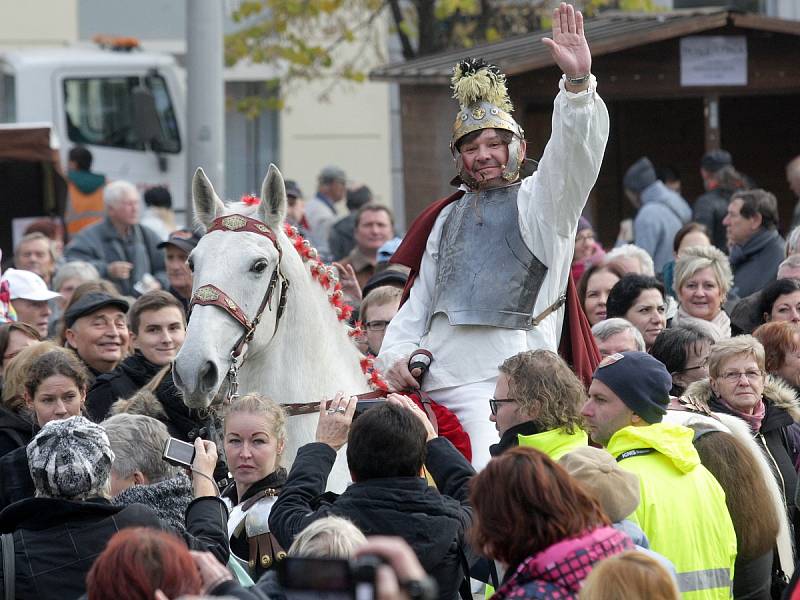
{"type": "Point", "coordinates": [577, 345]}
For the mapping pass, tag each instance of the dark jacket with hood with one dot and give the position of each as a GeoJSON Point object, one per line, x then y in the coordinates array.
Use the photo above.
{"type": "Point", "coordinates": [755, 263]}
{"type": "Point", "coordinates": [56, 541]}
{"type": "Point", "coordinates": [15, 431]}
{"type": "Point", "coordinates": [433, 522]}
{"type": "Point", "coordinates": [15, 476]}
{"type": "Point", "coordinates": [125, 383]}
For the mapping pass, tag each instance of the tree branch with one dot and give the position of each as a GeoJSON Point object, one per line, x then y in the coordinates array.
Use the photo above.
{"type": "Point", "coordinates": [397, 16]}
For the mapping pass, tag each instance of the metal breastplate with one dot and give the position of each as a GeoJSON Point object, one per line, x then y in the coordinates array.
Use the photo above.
{"type": "Point", "coordinates": [486, 275]}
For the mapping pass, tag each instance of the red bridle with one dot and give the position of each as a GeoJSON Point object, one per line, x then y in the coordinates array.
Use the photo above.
{"type": "Point", "coordinates": [211, 295]}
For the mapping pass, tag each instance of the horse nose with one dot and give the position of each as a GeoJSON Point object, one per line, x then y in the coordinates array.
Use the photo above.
{"type": "Point", "coordinates": [176, 378]}
{"type": "Point", "coordinates": [208, 377]}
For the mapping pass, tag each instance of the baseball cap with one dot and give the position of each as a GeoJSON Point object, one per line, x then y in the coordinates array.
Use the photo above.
{"type": "Point", "coordinates": [91, 303]}
{"type": "Point", "coordinates": [395, 275]}
{"type": "Point", "coordinates": [292, 189]}
{"type": "Point", "coordinates": [185, 239]}
{"type": "Point", "coordinates": [27, 285]}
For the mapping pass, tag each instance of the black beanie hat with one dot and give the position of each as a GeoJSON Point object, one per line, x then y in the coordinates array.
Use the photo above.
{"type": "Point", "coordinates": [641, 382]}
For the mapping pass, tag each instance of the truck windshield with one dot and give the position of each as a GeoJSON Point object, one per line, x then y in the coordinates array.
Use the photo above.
{"type": "Point", "coordinates": [100, 111]}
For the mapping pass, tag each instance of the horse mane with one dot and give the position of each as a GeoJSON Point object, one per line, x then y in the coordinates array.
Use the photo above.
{"type": "Point", "coordinates": [326, 276]}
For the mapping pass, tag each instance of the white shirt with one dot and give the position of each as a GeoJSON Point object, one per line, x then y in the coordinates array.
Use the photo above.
{"type": "Point", "coordinates": [549, 203]}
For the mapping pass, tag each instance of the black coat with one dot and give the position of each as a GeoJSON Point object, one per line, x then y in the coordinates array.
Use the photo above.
{"type": "Point", "coordinates": [56, 542]}
{"type": "Point", "coordinates": [710, 209]}
{"type": "Point", "coordinates": [15, 476]}
{"type": "Point", "coordinates": [433, 522]}
{"type": "Point", "coordinates": [15, 431]}
{"type": "Point", "coordinates": [130, 376]}
{"type": "Point", "coordinates": [779, 447]}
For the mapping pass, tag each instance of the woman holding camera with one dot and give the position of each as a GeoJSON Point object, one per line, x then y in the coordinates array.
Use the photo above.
{"type": "Point", "coordinates": [254, 438]}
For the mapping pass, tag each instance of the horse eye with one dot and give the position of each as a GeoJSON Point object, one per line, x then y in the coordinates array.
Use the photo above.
{"type": "Point", "coordinates": [259, 266]}
{"type": "Point", "coordinates": [190, 263]}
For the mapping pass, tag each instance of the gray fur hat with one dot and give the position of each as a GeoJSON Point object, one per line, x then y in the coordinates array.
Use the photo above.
{"type": "Point", "coordinates": [70, 459]}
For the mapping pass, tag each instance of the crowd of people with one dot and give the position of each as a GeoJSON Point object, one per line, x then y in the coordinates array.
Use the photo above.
{"type": "Point", "coordinates": [656, 458]}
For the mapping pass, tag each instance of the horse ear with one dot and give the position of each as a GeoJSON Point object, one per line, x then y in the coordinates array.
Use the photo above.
{"type": "Point", "coordinates": [272, 209]}
{"type": "Point", "coordinates": [207, 205]}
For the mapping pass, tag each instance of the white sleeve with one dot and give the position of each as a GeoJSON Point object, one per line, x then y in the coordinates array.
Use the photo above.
{"type": "Point", "coordinates": [554, 196]}
{"type": "Point", "coordinates": [409, 325]}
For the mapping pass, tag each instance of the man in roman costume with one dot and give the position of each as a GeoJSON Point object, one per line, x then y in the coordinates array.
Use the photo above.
{"type": "Point", "coordinates": [491, 263]}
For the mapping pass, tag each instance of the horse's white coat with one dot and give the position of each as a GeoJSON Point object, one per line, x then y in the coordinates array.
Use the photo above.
{"type": "Point", "coordinates": [307, 358]}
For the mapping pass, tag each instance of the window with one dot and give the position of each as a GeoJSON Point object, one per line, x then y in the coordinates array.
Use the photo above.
{"type": "Point", "coordinates": [100, 111]}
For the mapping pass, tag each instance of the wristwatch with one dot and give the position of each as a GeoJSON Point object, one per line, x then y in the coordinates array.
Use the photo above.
{"type": "Point", "coordinates": [580, 80]}
{"type": "Point", "coordinates": [420, 589]}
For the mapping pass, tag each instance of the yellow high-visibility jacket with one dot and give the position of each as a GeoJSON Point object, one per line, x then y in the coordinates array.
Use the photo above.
{"type": "Point", "coordinates": [682, 509]}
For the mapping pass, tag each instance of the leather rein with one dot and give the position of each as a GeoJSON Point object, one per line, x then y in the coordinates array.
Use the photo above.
{"type": "Point", "coordinates": [210, 295]}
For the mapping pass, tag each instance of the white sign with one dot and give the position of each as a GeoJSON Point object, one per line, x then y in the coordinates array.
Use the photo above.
{"type": "Point", "coordinates": [711, 60]}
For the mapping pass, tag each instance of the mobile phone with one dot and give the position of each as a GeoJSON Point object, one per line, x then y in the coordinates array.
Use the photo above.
{"type": "Point", "coordinates": [179, 453]}
{"type": "Point", "coordinates": [363, 405]}
{"type": "Point", "coordinates": [328, 579]}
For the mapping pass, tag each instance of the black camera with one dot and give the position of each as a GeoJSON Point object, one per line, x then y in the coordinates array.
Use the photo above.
{"type": "Point", "coordinates": [327, 578]}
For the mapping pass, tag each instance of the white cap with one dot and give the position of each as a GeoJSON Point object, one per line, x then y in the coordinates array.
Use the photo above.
{"type": "Point", "coordinates": [27, 285]}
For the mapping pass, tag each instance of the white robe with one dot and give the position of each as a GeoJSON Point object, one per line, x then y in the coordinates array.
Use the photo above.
{"type": "Point", "coordinates": [549, 203]}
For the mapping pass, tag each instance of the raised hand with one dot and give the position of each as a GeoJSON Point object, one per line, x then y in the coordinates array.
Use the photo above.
{"type": "Point", "coordinates": [568, 46]}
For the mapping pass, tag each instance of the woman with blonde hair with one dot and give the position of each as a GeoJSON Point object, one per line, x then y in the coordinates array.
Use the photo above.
{"type": "Point", "coordinates": [738, 385]}
{"type": "Point", "coordinates": [703, 279]}
{"type": "Point", "coordinates": [629, 576]}
{"type": "Point", "coordinates": [254, 435]}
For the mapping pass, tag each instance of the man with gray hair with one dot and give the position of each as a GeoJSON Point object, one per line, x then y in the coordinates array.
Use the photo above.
{"type": "Point", "coordinates": [121, 249]}
{"type": "Point", "coordinates": [745, 313]}
{"type": "Point", "coordinates": [631, 259]}
{"type": "Point", "coordinates": [321, 210]}
{"type": "Point", "coordinates": [617, 335]}
{"type": "Point", "coordinates": [139, 474]}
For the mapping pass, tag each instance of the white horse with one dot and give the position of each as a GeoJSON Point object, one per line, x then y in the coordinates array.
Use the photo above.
{"type": "Point", "coordinates": [306, 357]}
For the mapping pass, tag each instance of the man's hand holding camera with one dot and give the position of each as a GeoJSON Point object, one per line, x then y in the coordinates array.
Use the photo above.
{"type": "Point", "coordinates": [335, 417]}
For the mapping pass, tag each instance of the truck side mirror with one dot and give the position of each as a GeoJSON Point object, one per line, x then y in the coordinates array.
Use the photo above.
{"type": "Point", "coordinates": [145, 118]}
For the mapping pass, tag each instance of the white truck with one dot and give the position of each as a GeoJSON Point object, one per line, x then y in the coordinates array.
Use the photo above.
{"type": "Point", "coordinates": [127, 107]}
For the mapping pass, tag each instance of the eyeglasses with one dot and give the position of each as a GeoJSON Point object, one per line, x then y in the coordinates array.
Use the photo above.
{"type": "Point", "coordinates": [702, 365]}
{"type": "Point", "coordinates": [735, 376]}
{"type": "Point", "coordinates": [376, 325]}
{"type": "Point", "coordinates": [493, 402]}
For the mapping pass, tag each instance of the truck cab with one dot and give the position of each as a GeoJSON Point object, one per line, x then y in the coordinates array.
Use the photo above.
{"type": "Point", "coordinates": [126, 107]}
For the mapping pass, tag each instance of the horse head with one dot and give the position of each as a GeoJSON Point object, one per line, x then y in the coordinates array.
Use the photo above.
{"type": "Point", "coordinates": [238, 278]}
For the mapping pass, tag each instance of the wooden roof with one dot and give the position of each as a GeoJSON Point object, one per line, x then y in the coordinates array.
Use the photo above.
{"type": "Point", "coordinates": [610, 32]}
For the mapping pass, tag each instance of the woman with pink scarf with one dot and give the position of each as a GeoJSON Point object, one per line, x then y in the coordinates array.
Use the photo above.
{"type": "Point", "coordinates": [739, 385]}
{"type": "Point", "coordinates": [547, 535]}
{"type": "Point", "coordinates": [588, 250]}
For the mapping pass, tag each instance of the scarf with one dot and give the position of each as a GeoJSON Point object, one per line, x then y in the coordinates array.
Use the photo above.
{"type": "Point", "coordinates": [719, 325]}
{"type": "Point", "coordinates": [754, 420]}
